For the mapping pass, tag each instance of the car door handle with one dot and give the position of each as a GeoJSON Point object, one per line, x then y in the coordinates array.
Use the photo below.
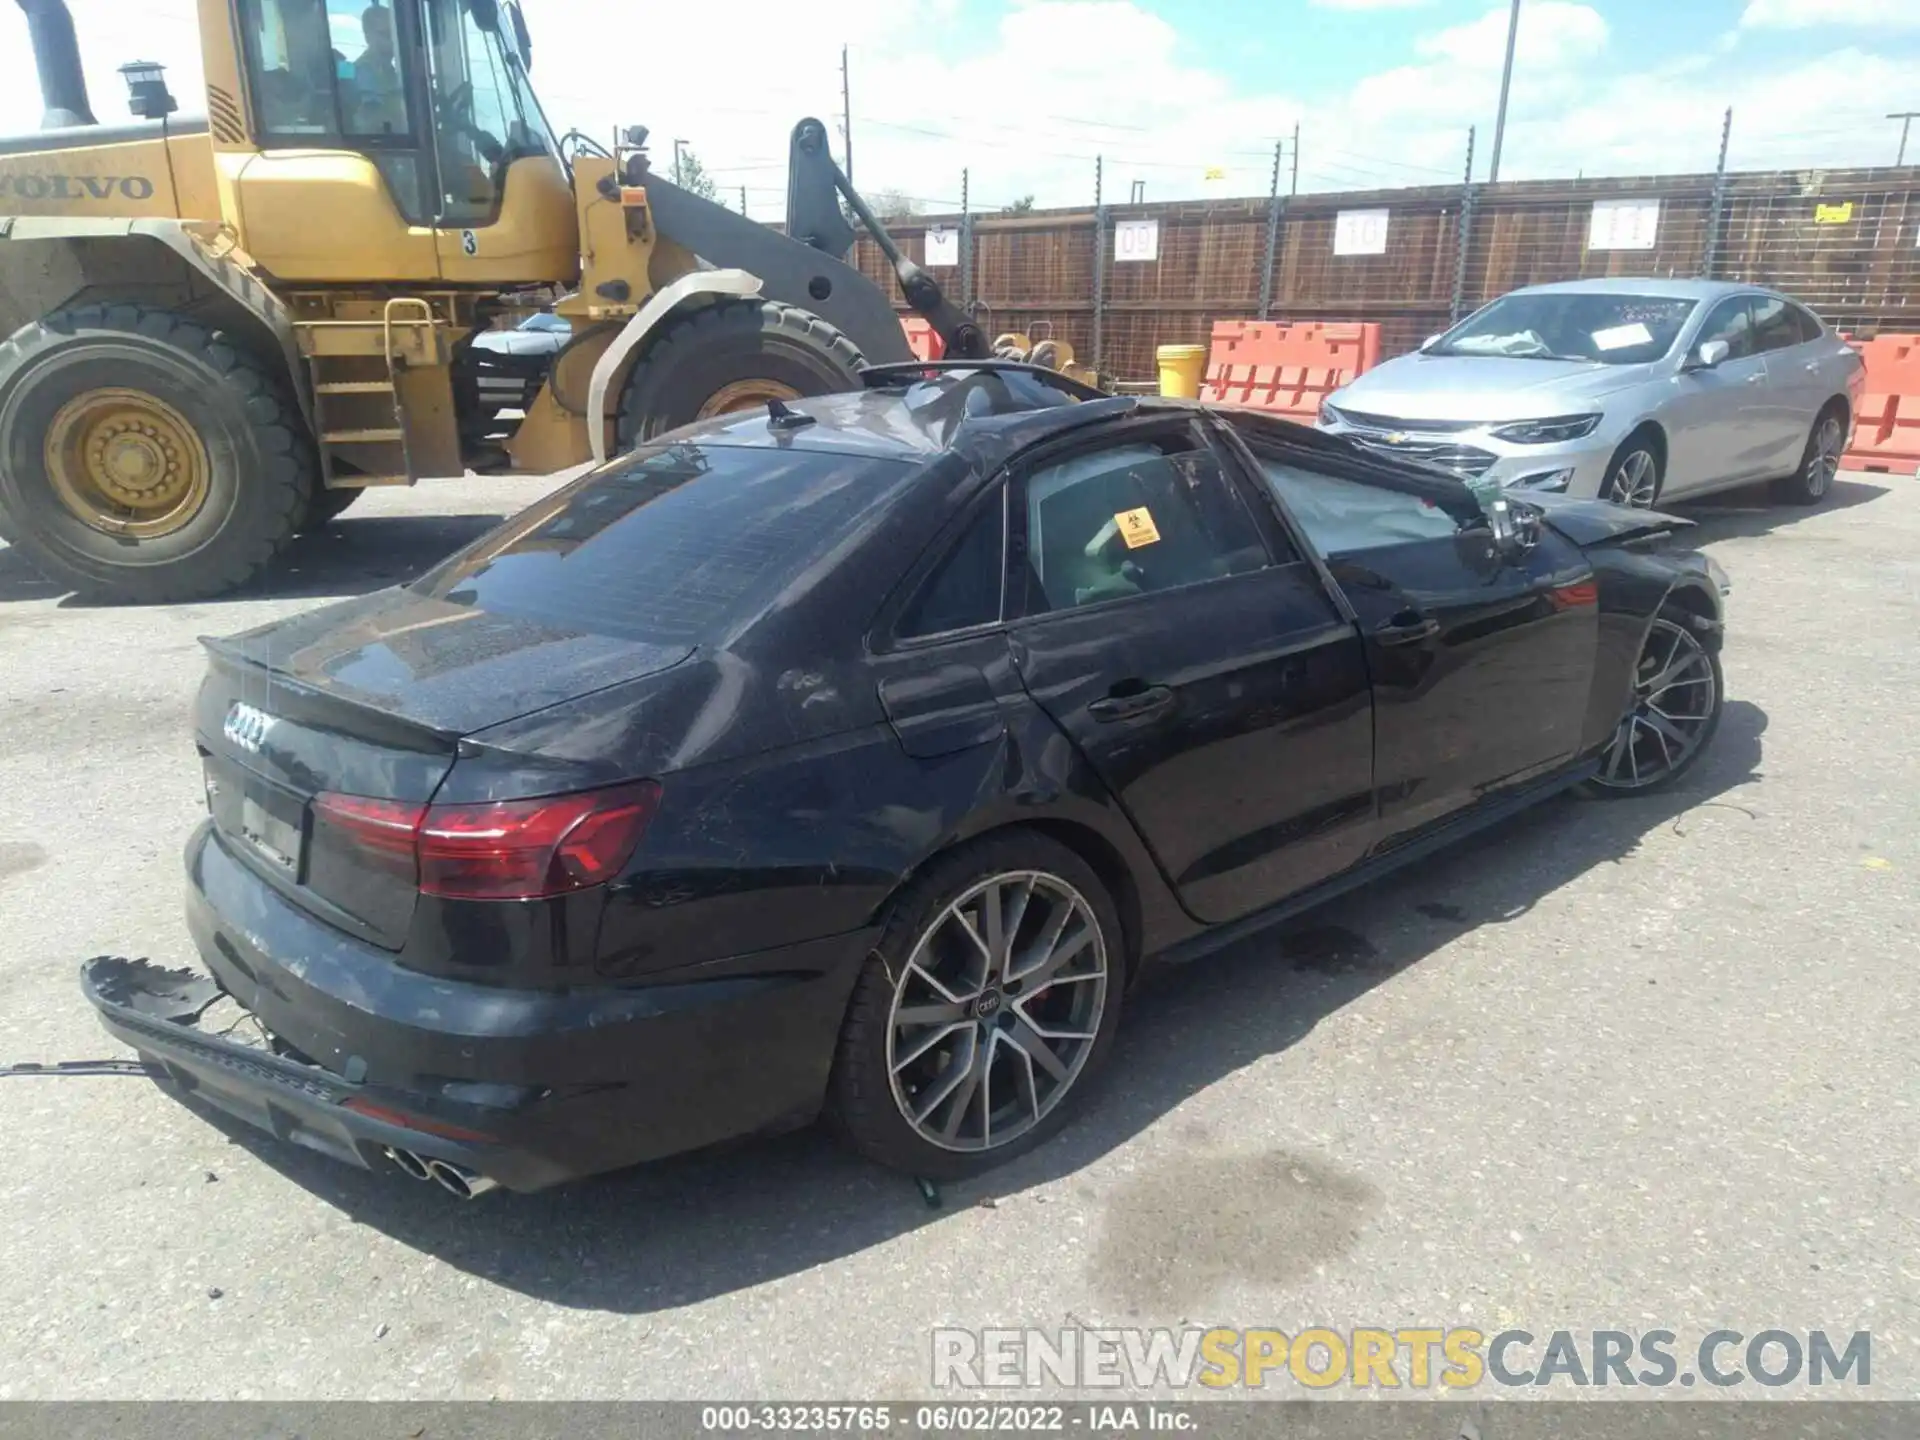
{"type": "Point", "coordinates": [1407, 630]}
{"type": "Point", "coordinates": [1132, 704]}
{"type": "Point", "coordinates": [1813, 367]}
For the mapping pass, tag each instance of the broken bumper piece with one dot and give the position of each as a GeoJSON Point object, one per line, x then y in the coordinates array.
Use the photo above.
{"type": "Point", "coordinates": [158, 1011]}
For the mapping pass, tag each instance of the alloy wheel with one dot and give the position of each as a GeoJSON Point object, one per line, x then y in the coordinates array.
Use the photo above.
{"type": "Point", "coordinates": [1635, 481]}
{"type": "Point", "coordinates": [996, 1011]}
{"type": "Point", "coordinates": [1829, 442]}
{"type": "Point", "coordinates": [1674, 702]}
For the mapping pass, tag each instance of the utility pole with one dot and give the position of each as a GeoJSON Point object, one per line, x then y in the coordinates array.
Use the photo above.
{"type": "Point", "coordinates": [1294, 188]}
{"type": "Point", "coordinates": [1906, 119]}
{"type": "Point", "coordinates": [1506, 83]}
{"type": "Point", "coordinates": [678, 145]}
{"type": "Point", "coordinates": [846, 111]}
{"type": "Point", "coordinates": [1465, 237]}
{"type": "Point", "coordinates": [1273, 234]}
{"type": "Point", "coordinates": [1718, 216]}
{"type": "Point", "coordinates": [1099, 260]}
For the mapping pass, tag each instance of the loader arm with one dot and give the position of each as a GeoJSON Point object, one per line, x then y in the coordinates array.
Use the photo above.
{"type": "Point", "coordinates": [815, 186]}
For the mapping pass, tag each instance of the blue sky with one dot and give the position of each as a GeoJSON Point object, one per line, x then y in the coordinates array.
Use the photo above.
{"type": "Point", "coordinates": [1186, 96]}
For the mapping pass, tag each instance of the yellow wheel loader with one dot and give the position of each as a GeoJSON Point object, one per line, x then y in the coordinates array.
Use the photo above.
{"type": "Point", "coordinates": [221, 329]}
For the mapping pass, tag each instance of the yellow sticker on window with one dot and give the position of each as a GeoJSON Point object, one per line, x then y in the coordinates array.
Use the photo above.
{"type": "Point", "coordinates": [1137, 527]}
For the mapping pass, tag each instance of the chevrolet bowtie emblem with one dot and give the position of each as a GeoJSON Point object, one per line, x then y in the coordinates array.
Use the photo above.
{"type": "Point", "coordinates": [1397, 437]}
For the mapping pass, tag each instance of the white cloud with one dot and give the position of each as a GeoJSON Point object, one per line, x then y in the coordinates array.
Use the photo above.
{"type": "Point", "coordinates": [1552, 34]}
{"type": "Point", "coordinates": [1026, 104]}
{"type": "Point", "coordinates": [1368, 4]}
{"type": "Point", "coordinates": [1805, 14]}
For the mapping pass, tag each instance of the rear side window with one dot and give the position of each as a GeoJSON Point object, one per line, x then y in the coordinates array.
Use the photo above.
{"type": "Point", "coordinates": [1774, 325]}
{"type": "Point", "coordinates": [672, 544]}
{"type": "Point", "coordinates": [963, 590]}
{"type": "Point", "coordinates": [1133, 518]}
{"type": "Point", "coordinates": [1809, 325]}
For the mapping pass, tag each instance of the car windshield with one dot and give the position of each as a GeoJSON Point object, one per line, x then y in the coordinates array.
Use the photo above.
{"type": "Point", "coordinates": [674, 544]}
{"type": "Point", "coordinates": [1604, 329]}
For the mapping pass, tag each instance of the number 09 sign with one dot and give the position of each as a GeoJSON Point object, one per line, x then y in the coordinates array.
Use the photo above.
{"type": "Point", "coordinates": [1136, 240]}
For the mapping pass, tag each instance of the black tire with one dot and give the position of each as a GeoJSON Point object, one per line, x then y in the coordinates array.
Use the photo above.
{"type": "Point", "coordinates": [861, 1103]}
{"type": "Point", "coordinates": [728, 342]}
{"type": "Point", "coordinates": [326, 505]}
{"type": "Point", "coordinates": [1813, 481]}
{"type": "Point", "coordinates": [1644, 442]}
{"type": "Point", "coordinates": [1615, 782]}
{"type": "Point", "coordinates": [260, 465]}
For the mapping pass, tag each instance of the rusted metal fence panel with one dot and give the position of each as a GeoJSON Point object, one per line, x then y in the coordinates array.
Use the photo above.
{"type": "Point", "coordinates": [1846, 242]}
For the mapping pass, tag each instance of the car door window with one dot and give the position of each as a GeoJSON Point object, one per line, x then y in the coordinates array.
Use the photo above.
{"type": "Point", "coordinates": [1132, 518]}
{"type": "Point", "coordinates": [1774, 324]}
{"type": "Point", "coordinates": [1731, 321]}
{"type": "Point", "coordinates": [1343, 516]}
{"type": "Point", "coordinates": [963, 589]}
{"type": "Point", "coordinates": [1809, 324]}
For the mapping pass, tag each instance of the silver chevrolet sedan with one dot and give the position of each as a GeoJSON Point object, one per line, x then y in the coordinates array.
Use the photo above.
{"type": "Point", "coordinates": [1635, 391]}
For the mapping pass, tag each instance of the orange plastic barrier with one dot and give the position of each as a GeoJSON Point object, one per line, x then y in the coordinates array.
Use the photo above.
{"type": "Point", "coordinates": [1886, 433]}
{"type": "Point", "coordinates": [922, 338]}
{"type": "Point", "coordinates": [1286, 369]}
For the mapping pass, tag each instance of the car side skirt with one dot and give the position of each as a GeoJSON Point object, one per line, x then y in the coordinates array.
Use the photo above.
{"type": "Point", "coordinates": [1488, 812]}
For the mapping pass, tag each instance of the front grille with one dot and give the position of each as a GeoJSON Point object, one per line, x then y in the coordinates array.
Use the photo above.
{"type": "Point", "coordinates": [1391, 424]}
{"type": "Point", "coordinates": [1464, 460]}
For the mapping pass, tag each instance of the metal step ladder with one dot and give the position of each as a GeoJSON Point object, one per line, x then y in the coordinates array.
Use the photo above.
{"type": "Point", "coordinates": [351, 421]}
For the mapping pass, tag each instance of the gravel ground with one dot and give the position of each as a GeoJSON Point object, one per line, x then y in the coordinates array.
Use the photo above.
{"type": "Point", "coordinates": [1632, 1065]}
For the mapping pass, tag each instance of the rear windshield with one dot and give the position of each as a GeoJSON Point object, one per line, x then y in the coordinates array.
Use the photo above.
{"type": "Point", "coordinates": [1608, 328]}
{"type": "Point", "coordinates": [671, 545]}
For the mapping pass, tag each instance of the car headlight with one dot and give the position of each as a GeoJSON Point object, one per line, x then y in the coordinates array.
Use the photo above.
{"type": "Point", "coordinates": [1549, 480]}
{"type": "Point", "coordinates": [1550, 431]}
{"type": "Point", "coordinates": [1328, 415]}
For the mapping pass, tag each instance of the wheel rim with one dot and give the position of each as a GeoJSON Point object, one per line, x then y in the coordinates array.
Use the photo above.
{"type": "Point", "coordinates": [1634, 481]}
{"type": "Point", "coordinates": [744, 395]}
{"type": "Point", "coordinates": [126, 463]}
{"type": "Point", "coordinates": [1674, 697]}
{"type": "Point", "coordinates": [1828, 444]}
{"type": "Point", "coordinates": [996, 1011]}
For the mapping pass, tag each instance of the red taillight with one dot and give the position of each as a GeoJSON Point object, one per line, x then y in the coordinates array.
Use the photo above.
{"type": "Point", "coordinates": [383, 831]}
{"type": "Point", "coordinates": [501, 849]}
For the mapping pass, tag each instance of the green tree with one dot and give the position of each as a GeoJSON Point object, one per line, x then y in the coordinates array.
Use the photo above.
{"type": "Point", "coordinates": [892, 204]}
{"type": "Point", "coordinates": [1022, 206]}
{"type": "Point", "coordinates": [692, 176]}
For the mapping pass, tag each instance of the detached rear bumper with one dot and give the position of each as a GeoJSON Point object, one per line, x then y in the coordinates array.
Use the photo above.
{"type": "Point", "coordinates": [528, 1088]}
{"type": "Point", "coordinates": [157, 1010]}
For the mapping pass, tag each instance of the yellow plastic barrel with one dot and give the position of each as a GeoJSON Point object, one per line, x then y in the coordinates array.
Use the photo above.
{"type": "Point", "coordinates": [1181, 367]}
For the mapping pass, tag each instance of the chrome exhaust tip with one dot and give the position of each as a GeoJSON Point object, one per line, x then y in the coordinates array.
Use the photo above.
{"type": "Point", "coordinates": [410, 1163]}
{"type": "Point", "coordinates": [459, 1180]}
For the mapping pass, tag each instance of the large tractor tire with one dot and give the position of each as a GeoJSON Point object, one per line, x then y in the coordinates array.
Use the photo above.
{"type": "Point", "coordinates": [145, 458]}
{"type": "Point", "coordinates": [326, 505]}
{"type": "Point", "coordinates": [733, 356]}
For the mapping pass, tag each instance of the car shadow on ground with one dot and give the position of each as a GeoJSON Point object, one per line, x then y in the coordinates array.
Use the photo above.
{"type": "Point", "coordinates": [703, 1225]}
{"type": "Point", "coordinates": [351, 556]}
{"type": "Point", "coordinates": [1753, 511]}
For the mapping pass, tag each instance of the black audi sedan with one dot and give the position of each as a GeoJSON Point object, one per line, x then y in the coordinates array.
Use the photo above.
{"type": "Point", "coordinates": [848, 757]}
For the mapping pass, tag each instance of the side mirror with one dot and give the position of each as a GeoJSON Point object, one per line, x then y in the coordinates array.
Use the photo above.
{"type": "Point", "coordinates": [1709, 355]}
{"type": "Point", "coordinates": [1428, 343]}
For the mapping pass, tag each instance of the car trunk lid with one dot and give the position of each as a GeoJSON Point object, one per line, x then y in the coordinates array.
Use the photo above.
{"type": "Point", "coordinates": [371, 698]}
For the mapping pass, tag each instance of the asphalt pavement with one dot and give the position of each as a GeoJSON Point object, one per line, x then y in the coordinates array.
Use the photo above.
{"type": "Point", "coordinates": [1615, 1065]}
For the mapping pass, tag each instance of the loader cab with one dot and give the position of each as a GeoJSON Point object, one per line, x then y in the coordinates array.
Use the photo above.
{"type": "Point", "coordinates": [397, 138]}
